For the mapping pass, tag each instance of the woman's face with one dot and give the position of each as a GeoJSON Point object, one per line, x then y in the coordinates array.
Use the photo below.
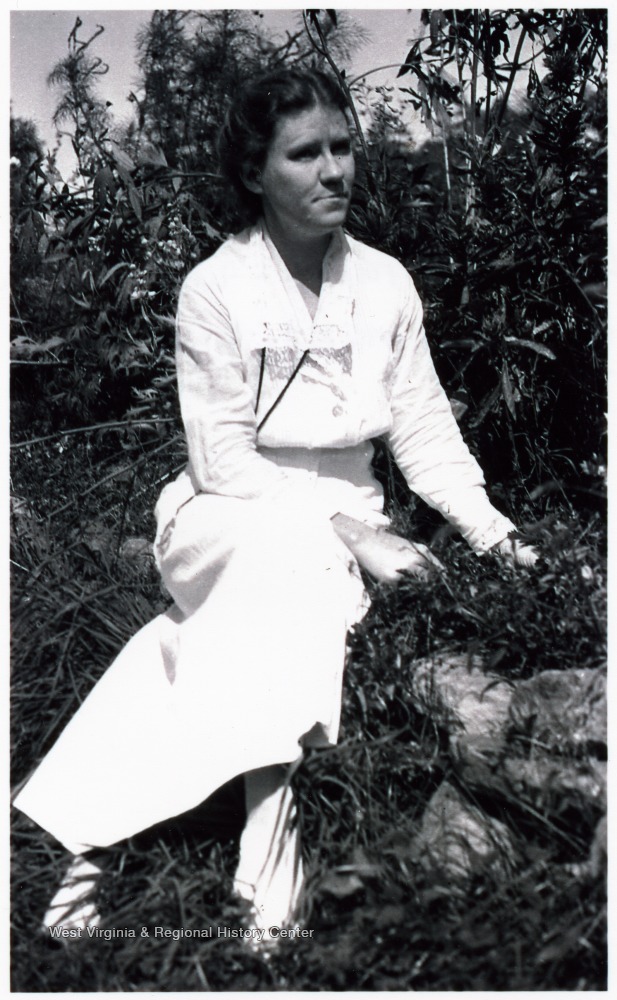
{"type": "Point", "coordinates": [306, 181]}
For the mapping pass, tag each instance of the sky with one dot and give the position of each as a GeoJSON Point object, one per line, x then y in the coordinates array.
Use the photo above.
{"type": "Point", "coordinates": [38, 39]}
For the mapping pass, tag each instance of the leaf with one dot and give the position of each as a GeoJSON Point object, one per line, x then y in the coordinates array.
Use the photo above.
{"type": "Point", "coordinates": [112, 270]}
{"type": "Point", "coordinates": [81, 302]}
{"type": "Point", "coordinates": [214, 234]}
{"type": "Point", "coordinates": [502, 263]}
{"type": "Point", "coordinates": [152, 156]}
{"type": "Point", "coordinates": [359, 693]}
{"type": "Point", "coordinates": [71, 227]}
{"type": "Point", "coordinates": [459, 408]}
{"type": "Point", "coordinates": [26, 347]}
{"type": "Point", "coordinates": [124, 175]}
{"type": "Point", "coordinates": [533, 85]}
{"type": "Point", "coordinates": [135, 200]}
{"type": "Point", "coordinates": [408, 62]}
{"type": "Point", "coordinates": [167, 320]}
{"type": "Point", "coordinates": [562, 944]}
{"type": "Point", "coordinates": [508, 393]}
{"type": "Point", "coordinates": [557, 197]}
{"type": "Point", "coordinates": [104, 186]}
{"type": "Point", "coordinates": [542, 326]}
{"type": "Point", "coordinates": [56, 258]}
{"type": "Point", "coordinates": [595, 289]}
{"type": "Point", "coordinates": [437, 21]}
{"type": "Point", "coordinates": [533, 346]}
{"type": "Point", "coordinates": [122, 159]}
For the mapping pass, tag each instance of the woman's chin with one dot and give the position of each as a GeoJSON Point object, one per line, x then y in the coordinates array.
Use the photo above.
{"type": "Point", "coordinates": [333, 215]}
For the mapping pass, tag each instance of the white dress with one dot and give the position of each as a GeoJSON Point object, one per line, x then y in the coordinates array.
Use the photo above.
{"type": "Point", "coordinates": [246, 667]}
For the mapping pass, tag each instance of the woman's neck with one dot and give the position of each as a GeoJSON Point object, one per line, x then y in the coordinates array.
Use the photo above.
{"type": "Point", "coordinates": [302, 256]}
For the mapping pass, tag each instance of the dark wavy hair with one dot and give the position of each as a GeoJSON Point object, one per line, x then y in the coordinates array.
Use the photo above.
{"type": "Point", "coordinates": [252, 118]}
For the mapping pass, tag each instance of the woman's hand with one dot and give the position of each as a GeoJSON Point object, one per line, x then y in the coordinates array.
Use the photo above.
{"type": "Point", "coordinates": [384, 555]}
{"type": "Point", "coordinates": [516, 553]}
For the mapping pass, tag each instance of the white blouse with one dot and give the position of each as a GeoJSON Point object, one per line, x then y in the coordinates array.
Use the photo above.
{"type": "Point", "coordinates": [368, 373]}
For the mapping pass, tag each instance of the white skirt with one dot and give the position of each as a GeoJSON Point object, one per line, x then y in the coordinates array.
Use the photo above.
{"type": "Point", "coordinates": [243, 671]}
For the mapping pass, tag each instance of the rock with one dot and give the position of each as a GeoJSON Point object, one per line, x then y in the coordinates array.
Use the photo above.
{"type": "Point", "coordinates": [596, 865]}
{"type": "Point", "coordinates": [536, 742]}
{"type": "Point", "coordinates": [473, 705]}
{"type": "Point", "coordinates": [98, 538]}
{"type": "Point", "coordinates": [547, 783]}
{"type": "Point", "coordinates": [457, 839]}
{"type": "Point", "coordinates": [136, 549]}
{"type": "Point", "coordinates": [562, 710]}
{"type": "Point", "coordinates": [103, 540]}
{"type": "Point", "coordinates": [551, 782]}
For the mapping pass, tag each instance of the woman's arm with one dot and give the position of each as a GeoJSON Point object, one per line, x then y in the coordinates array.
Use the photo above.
{"type": "Point", "coordinates": [382, 554]}
{"type": "Point", "coordinates": [216, 403]}
{"type": "Point", "coordinates": [425, 439]}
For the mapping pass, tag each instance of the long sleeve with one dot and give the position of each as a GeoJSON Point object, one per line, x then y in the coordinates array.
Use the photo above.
{"type": "Point", "coordinates": [426, 441]}
{"type": "Point", "coordinates": [215, 400]}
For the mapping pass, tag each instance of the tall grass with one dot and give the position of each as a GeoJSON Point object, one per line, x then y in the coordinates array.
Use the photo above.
{"type": "Point", "coordinates": [379, 920]}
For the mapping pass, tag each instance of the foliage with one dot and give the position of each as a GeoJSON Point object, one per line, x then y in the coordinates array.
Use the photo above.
{"type": "Point", "coordinates": [97, 263]}
{"type": "Point", "coordinates": [26, 151]}
{"type": "Point", "coordinates": [502, 219]}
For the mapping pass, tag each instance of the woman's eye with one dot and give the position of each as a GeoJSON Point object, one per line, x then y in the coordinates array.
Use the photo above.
{"type": "Point", "coordinates": [342, 148]}
{"type": "Point", "coordinates": [306, 153]}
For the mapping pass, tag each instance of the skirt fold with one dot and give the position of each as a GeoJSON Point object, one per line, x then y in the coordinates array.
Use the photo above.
{"type": "Point", "coordinates": [247, 662]}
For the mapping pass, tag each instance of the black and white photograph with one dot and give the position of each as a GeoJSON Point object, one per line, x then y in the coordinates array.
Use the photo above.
{"type": "Point", "coordinates": [308, 493]}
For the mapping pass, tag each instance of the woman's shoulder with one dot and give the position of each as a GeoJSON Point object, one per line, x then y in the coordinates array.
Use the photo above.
{"type": "Point", "coordinates": [379, 265]}
{"type": "Point", "coordinates": [221, 265]}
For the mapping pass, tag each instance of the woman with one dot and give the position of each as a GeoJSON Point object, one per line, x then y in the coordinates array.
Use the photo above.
{"type": "Point", "coordinates": [296, 345]}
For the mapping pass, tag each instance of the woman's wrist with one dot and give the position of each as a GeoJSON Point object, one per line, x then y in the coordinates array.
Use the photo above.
{"type": "Point", "coordinates": [350, 530]}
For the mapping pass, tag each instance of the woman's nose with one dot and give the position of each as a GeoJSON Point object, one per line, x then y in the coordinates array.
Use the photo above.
{"type": "Point", "coordinates": [332, 168]}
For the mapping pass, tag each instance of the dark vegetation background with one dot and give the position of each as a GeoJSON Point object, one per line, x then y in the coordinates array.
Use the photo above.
{"type": "Point", "coordinates": [501, 218]}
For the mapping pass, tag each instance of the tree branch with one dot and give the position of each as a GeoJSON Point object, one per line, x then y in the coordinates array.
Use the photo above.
{"type": "Point", "coordinates": [513, 72]}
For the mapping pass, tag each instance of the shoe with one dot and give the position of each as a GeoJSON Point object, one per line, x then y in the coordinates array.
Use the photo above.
{"type": "Point", "coordinates": [72, 910]}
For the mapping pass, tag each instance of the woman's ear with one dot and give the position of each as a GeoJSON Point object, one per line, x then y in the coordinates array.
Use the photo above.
{"type": "Point", "coordinates": [251, 178]}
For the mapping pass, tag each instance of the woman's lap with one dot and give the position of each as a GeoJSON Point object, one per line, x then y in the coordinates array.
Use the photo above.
{"type": "Point", "coordinates": [270, 538]}
{"type": "Point", "coordinates": [256, 654]}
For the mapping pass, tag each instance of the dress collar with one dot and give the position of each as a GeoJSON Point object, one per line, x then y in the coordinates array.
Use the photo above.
{"type": "Point", "coordinates": [337, 296]}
